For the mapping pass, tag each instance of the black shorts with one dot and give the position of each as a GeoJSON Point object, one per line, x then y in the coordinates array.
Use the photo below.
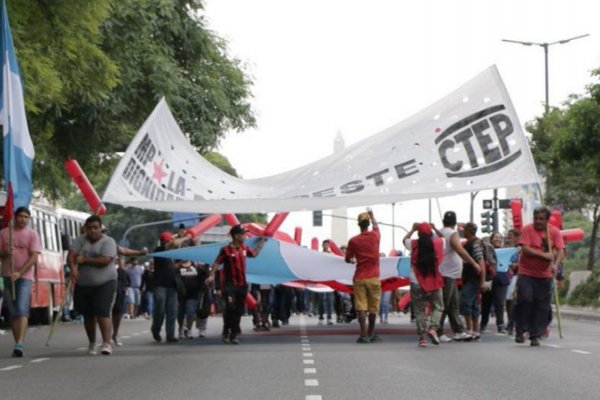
{"type": "Point", "coordinates": [95, 301]}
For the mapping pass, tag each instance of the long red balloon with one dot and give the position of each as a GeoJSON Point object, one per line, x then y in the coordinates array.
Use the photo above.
{"type": "Point", "coordinates": [572, 235]}
{"type": "Point", "coordinates": [84, 185]}
{"type": "Point", "coordinates": [335, 249]}
{"type": "Point", "coordinates": [314, 243]}
{"type": "Point", "coordinates": [517, 214]}
{"type": "Point", "coordinates": [231, 219]}
{"type": "Point", "coordinates": [204, 225]}
{"type": "Point", "coordinates": [298, 235]}
{"type": "Point", "coordinates": [275, 223]}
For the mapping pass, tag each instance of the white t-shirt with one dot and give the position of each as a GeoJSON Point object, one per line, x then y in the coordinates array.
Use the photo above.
{"type": "Point", "coordinates": [451, 266]}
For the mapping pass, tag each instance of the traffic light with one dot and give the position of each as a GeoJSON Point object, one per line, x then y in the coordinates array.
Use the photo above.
{"type": "Point", "coordinates": [487, 222]}
{"type": "Point", "coordinates": [318, 218]}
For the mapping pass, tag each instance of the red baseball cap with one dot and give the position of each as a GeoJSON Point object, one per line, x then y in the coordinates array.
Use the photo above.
{"type": "Point", "coordinates": [425, 228]}
{"type": "Point", "coordinates": [166, 237]}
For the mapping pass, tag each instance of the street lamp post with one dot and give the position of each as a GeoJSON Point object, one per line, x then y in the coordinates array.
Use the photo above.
{"type": "Point", "coordinates": [546, 45]}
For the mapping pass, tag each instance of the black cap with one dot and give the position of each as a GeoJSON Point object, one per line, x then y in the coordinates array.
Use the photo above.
{"type": "Point", "coordinates": [182, 226]}
{"type": "Point", "coordinates": [236, 229]}
{"type": "Point", "coordinates": [449, 218]}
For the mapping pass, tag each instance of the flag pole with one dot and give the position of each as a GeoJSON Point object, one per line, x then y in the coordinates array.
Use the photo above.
{"type": "Point", "coordinates": [10, 257]}
{"type": "Point", "coordinates": [556, 297]}
{"type": "Point", "coordinates": [62, 306]}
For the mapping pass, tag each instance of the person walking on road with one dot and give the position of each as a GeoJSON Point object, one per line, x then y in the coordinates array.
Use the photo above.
{"type": "Point", "coordinates": [542, 251]}
{"type": "Point", "coordinates": [364, 250]}
{"type": "Point", "coordinates": [426, 282]}
{"type": "Point", "coordinates": [233, 283]}
{"type": "Point", "coordinates": [17, 259]}
{"type": "Point", "coordinates": [92, 262]}
{"type": "Point", "coordinates": [165, 291]}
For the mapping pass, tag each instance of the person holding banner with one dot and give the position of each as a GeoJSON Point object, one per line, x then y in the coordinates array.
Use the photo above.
{"type": "Point", "coordinates": [364, 250]}
{"type": "Point", "coordinates": [18, 254]}
{"type": "Point", "coordinates": [542, 250]}
{"type": "Point", "coordinates": [233, 283]}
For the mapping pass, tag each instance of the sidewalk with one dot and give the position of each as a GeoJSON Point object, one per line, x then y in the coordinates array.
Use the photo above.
{"type": "Point", "coordinates": [584, 313]}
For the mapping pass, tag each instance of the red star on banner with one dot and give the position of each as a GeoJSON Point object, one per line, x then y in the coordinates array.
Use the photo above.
{"type": "Point", "coordinates": [158, 171]}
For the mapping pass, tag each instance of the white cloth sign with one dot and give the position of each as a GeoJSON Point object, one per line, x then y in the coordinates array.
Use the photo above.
{"type": "Point", "coordinates": [468, 141]}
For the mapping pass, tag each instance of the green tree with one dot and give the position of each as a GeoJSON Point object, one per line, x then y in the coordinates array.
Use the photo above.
{"type": "Point", "coordinates": [564, 145]}
{"type": "Point", "coordinates": [94, 70]}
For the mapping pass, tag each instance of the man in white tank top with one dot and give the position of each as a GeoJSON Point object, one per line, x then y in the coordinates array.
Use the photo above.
{"type": "Point", "coordinates": [451, 270]}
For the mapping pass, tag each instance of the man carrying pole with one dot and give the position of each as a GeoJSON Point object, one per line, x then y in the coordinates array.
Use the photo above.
{"type": "Point", "coordinates": [542, 251]}
{"type": "Point", "coordinates": [18, 256]}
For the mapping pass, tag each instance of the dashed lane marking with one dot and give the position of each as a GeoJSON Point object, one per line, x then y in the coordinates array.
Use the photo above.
{"type": "Point", "coordinates": [39, 360]}
{"type": "Point", "coordinates": [554, 346]}
{"type": "Point", "coordinates": [581, 352]}
{"type": "Point", "coordinates": [314, 397]}
{"type": "Point", "coordinates": [310, 370]}
{"type": "Point", "coordinates": [311, 382]}
{"type": "Point", "coordinates": [308, 361]}
{"type": "Point", "coordinates": [307, 354]}
{"type": "Point", "coordinates": [11, 367]}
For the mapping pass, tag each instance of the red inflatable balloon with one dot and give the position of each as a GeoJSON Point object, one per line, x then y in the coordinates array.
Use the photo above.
{"type": "Point", "coordinates": [403, 302]}
{"type": "Point", "coordinates": [335, 249]}
{"type": "Point", "coordinates": [572, 235]}
{"type": "Point", "coordinates": [231, 219]}
{"type": "Point", "coordinates": [204, 225]}
{"type": "Point", "coordinates": [314, 244]}
{"type": "Point", "coordinates": [298, 235]}
{"type": "Point", "coordinates": [250, 302]}
{"type": "Point", "coordinates": [275, 223]}
{"type": "Point", "coordinates": [254, 228]}
{"type": "Point", "coordinates": [517, 214]}
{"type": "Point", "coordinates": [555, 219]}
{"type": "Point", "coordinates": [84, 185]}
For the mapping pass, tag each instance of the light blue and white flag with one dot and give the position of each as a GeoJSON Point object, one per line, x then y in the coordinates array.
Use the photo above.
{"type": "Point", "coordinates": [18, 147]}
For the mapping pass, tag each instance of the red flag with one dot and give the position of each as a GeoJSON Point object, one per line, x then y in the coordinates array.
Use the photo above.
{"type": "Point", "coordinates": [8, 212]}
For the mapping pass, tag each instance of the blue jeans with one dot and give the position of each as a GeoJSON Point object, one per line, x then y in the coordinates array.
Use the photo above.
{"type": "Point", "coordinates": [384, 305]}
{"type": "Point", "coordinates": [165, 305]}
{"type": "Point", "coordinates": [19, 307]}
{"type": "Point", "coordinates": [149, 299]}
{"type": "Point", "coordinates": [325, 301]}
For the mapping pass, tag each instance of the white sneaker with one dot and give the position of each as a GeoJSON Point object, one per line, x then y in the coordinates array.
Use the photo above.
{"type": "Point", "coordinates": [92, 349]}
{"type": "Point", "coordinates": [463, 336]}
{"type": "Point", "coordinates": [202, 333]}
{"type": "Point", "coordinates": [117, 341]}
{"type": "Point", "coordinates": [106, 349]}
{"type": "Point", "coordinates": [445, 339]}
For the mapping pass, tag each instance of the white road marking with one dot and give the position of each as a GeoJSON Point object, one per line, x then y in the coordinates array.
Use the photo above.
{"type": "Point", "coordinates": [125, 337]}
{"type": "Point", "coordinates": [314, 397]}
{"type": "Point", "coordinates": [554, 346]}
{"type": "Point", "coordinates": [11, 367]}
{"type": "Point", "coordinates": [308, 361]}
{"type": "Point", "coordinates": [306, 349]}
{"type": "Point", "coordinates": [38, 360]}
{"type": "Point", "coordinates": [135, 334]}
{"type": "Point", "coordinates": [81, 348]}
{"type": "Point", "coordinates": [307, 354]}
{"type": "Point", "coordinates": [311, 382]}
{"type": "Point", "coordinates": [310, 370]}
{"type": "Point", "coordinates": [581, 352]}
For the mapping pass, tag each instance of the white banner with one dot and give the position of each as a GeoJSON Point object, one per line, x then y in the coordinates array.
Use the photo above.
{"type": "Point", "coordinates": [470, 140]}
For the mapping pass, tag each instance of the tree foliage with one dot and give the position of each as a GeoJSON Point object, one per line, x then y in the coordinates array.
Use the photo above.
{"type": "Point", "coordinates": [94, 70]}
{"type": "Point", "coordinates": [565, 142]}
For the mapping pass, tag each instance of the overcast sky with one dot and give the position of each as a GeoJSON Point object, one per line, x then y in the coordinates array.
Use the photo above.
{"type": "Point", "coordinates": [323, 66]}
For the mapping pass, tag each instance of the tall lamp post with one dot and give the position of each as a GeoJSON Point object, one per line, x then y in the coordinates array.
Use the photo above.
{"type": "Point", "coordinates": [545, 46]}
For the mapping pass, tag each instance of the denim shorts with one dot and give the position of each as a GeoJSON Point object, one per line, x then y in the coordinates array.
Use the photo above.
{"type": "Point", "coordinates": [191, 305]}
{"type": "Point", "coordinates": [134, 296]}
{"type": "Point", "coordinates": [469, 302]}
{"type": "Point", "coordinates": [20, 306]}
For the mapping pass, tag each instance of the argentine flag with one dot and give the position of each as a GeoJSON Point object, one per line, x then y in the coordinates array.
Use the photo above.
{"type": "Point", "coordinates": [18, 147]}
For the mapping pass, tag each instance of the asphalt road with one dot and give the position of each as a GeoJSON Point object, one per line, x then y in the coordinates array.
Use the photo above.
{"type": "Point", "coordinates": [303, 361]}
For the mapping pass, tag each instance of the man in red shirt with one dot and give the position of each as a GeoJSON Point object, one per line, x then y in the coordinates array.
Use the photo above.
{"type": "Point", "coordinates": [540, 257]}
{"type": "Point", "coordinates": [233, 280]}
{"type": "Point", "coordinates": [364, 250]}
